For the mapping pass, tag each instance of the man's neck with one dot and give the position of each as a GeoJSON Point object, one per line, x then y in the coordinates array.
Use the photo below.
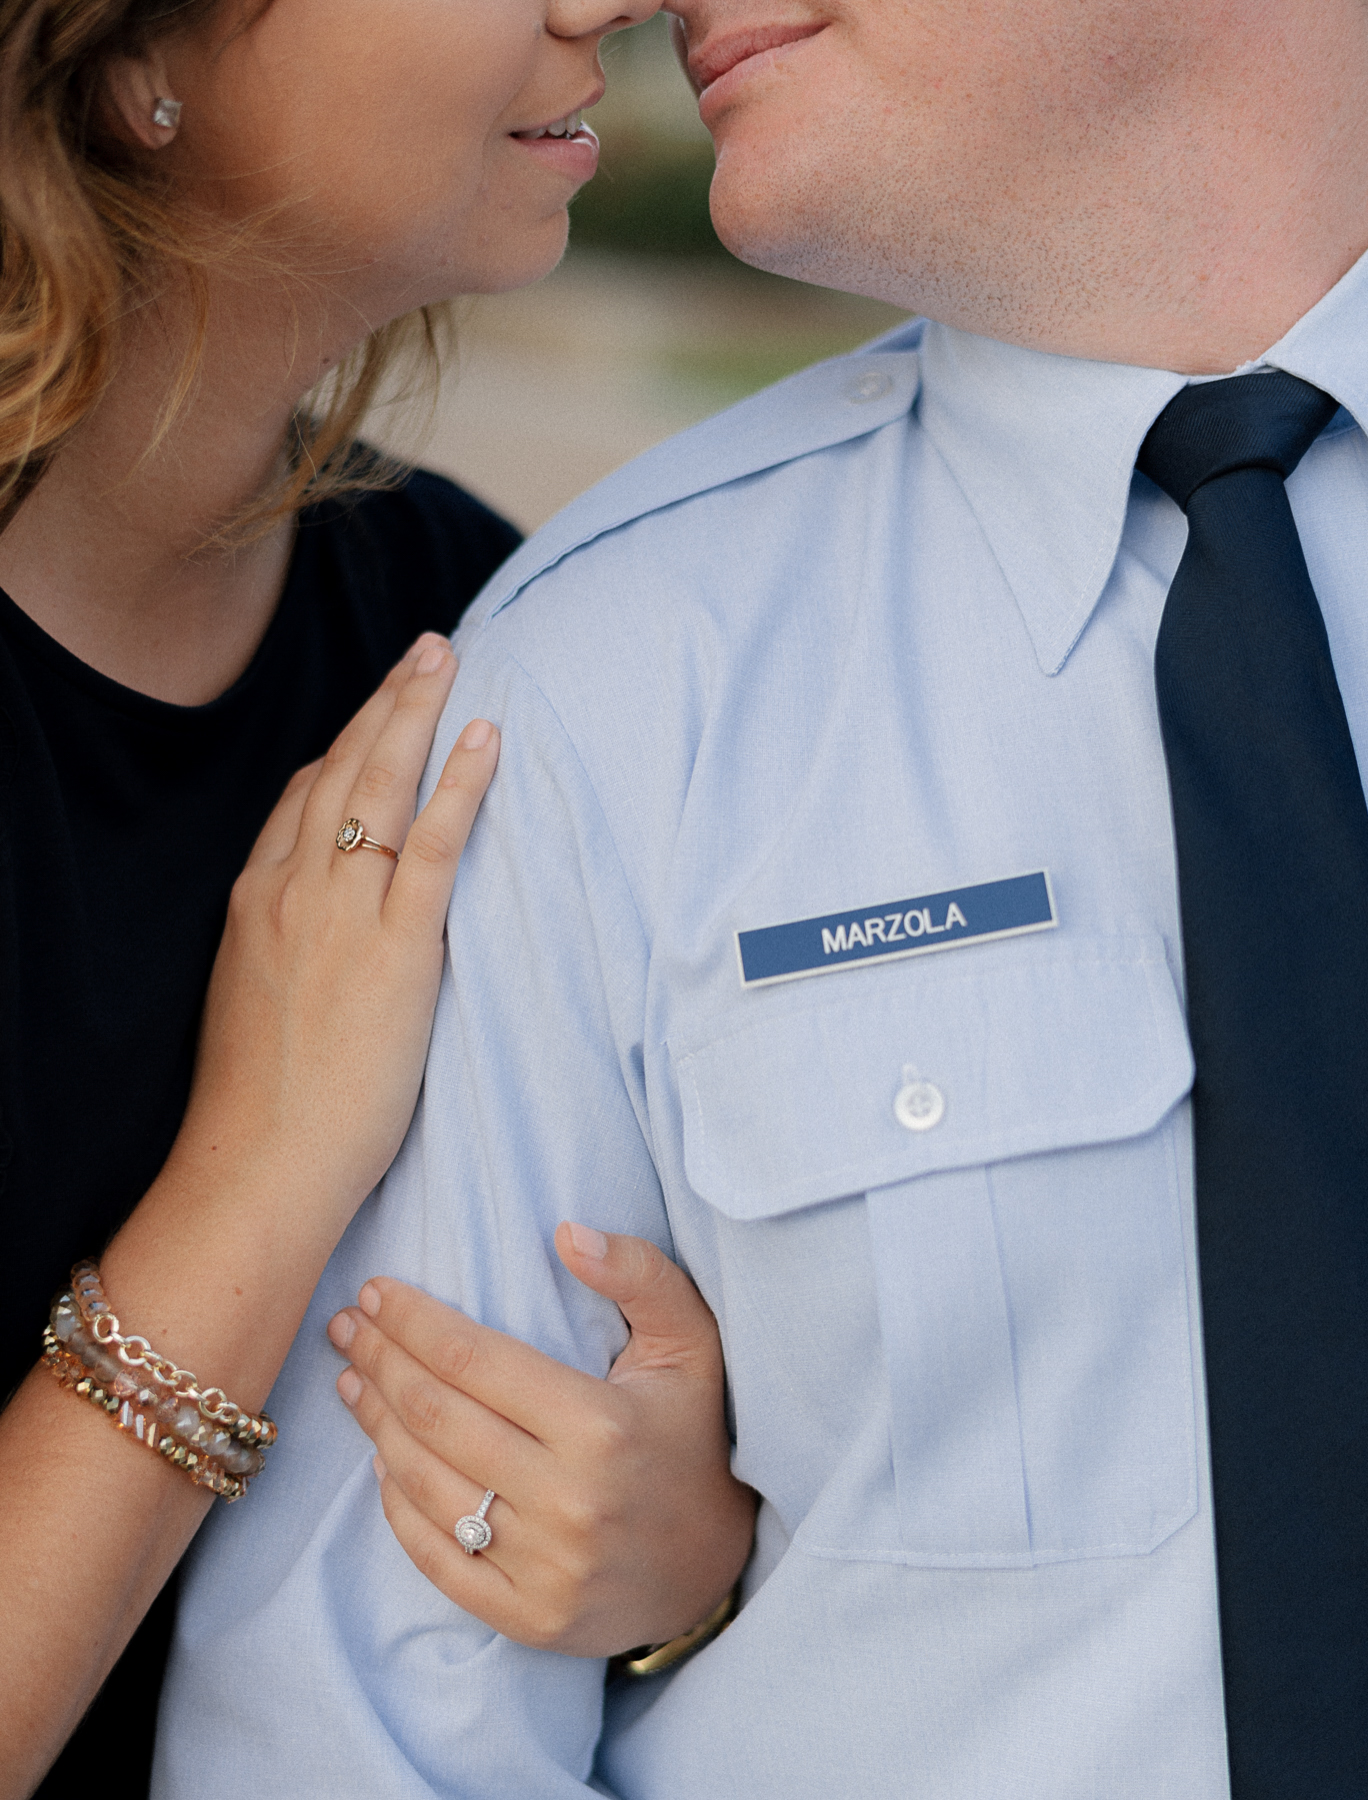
{"type": "Point", "coordinates": [1206, 232]}
{"type": "Point", "coordinates": [1172, 185]}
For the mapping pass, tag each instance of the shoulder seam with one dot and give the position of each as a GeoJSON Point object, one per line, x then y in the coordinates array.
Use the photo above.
{"type": "Point", "coordinates": [868, 398]}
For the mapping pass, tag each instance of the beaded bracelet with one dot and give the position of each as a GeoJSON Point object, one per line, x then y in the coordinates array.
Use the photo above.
{"type": "Point", "coordinates": [218, 1444]}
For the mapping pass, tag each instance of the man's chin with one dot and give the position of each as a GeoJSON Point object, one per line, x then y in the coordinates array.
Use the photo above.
{"type": "Point", "coordinates": [787, 220]}
{"type": "Point", "coordinates": [754, 219]}
{"type": "Point", "coordinates": [775, 255]}
{"type": "Point", "coordinates": [761, 226]}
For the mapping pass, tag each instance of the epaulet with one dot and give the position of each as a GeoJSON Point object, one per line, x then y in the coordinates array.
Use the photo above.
{"type": "Point", "coordinates": [827, 404]}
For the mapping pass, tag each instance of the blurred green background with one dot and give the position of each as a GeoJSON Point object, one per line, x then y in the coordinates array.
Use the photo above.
{"type": "Point", "coordinates": [647, 326]}
{"type": "Point", "coordinates": [650, 196]}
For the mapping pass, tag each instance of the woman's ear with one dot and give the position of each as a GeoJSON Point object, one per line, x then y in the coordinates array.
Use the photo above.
{"type": "Point", "coordinates": [139, 107]}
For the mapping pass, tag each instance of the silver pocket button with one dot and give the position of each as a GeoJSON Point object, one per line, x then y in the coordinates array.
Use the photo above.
{"type": "Point", "coordinates": [919, 1105]}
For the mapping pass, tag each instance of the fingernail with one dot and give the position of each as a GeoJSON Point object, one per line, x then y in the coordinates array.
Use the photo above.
{"type": "Point", "coordinates": [369, 1300]}
{"type": "Point", "coordinates": [476, 735]}
{"type": "Point", "coordinates": [589, 1242]}
{"type": "Point", "coordinates": [342, 1329]}
{"type": "Point", "coordinates": [349, 1386]}
{"type": "Point", "coordinates": [379, 1467]}
{"type": "Point", "coordinates": [435, 657]}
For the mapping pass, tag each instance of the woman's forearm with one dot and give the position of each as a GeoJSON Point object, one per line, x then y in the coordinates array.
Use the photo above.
{"type": "Point", "coordinates": [216, 1267]}
{"type": "Point", "coordinates": [91, 1524]}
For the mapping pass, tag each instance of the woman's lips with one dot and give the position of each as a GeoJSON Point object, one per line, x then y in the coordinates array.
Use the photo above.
{"type": "Point", "coordinates": [719, 68]}
{"type": "Point", "coordinates": [575, 157]}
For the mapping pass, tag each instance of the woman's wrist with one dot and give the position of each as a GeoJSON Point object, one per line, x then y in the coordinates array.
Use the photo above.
{"type": "Point", "coordinates": [217, 1263]}
{"type": "Point", "coordinates": [218, 1444]}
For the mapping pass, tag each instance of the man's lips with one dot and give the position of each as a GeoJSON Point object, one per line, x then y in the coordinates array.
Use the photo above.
{"type": "Point", "coordinates": [716, 57]}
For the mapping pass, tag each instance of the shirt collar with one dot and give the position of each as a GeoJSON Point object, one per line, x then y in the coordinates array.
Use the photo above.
{"type": "Point", "coordinates": [1329, 345]}
{"type": "Point", "coordinates": [1044, 447]}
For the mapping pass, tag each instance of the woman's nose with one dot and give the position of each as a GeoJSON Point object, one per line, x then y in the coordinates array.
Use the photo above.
{"type": "Point", "coordinates": [596, 18]}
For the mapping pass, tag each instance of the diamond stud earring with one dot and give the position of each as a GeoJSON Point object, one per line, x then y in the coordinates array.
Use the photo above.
{"type": "Point", "coordinates": [166, 113]}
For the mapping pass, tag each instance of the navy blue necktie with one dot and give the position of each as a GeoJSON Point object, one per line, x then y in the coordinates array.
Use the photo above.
{"type": "Point", "coordinates": [1272, 838]}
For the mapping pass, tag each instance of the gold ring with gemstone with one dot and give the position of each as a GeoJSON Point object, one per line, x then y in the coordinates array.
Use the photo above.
{"type": "Point", "coordinates": [352, 836]}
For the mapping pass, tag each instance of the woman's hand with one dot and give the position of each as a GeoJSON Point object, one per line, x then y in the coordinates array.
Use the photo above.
{"type": "Point", "coordinates": [315, 1030]}
{"type": "Point", "coordinates": [617, 1520]}
{"type": "Point", "coordinates": [320, 1008]}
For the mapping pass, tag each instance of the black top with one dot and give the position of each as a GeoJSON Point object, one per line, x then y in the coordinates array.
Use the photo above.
{"type": "Point", "coordinates": [123, 823]}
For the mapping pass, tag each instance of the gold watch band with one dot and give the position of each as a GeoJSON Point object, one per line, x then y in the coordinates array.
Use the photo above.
{"type": "Point", "coordinates": [653, 1659]}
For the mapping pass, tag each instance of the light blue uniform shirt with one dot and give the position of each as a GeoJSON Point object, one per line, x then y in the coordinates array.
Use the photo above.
{"type": "Point", "coordinates": [881, 635]}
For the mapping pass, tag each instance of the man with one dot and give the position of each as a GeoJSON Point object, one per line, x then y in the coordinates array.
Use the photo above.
{"type": "Point", "coordinates": [863, 670]}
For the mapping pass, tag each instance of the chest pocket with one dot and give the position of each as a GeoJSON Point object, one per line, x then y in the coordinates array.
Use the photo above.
{"type": "Point", "coordinates": [1027, 1242]}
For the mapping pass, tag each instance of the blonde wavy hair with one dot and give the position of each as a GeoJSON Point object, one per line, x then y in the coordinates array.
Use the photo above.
{"type": "Point", "coordinates": [84, 230]}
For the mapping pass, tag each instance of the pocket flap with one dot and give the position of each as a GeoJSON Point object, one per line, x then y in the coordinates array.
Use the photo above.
{"type": "Point", "coordinates": [1033, 1046]}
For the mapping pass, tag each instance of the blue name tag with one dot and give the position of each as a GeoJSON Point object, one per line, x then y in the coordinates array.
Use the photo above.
{"type": "Point", "coordinates": [993, 909]}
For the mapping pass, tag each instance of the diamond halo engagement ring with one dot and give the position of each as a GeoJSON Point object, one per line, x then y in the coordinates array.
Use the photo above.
{"type": "Point", "coordinates": [473, 1532]}
{"type": "Point", "coordinates": [352, 836]}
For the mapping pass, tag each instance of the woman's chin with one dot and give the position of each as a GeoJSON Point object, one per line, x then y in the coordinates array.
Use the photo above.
{"type": "Point", "coordinates": [530, 262]}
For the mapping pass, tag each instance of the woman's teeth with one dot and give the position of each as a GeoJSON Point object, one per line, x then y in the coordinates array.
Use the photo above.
{"type": "Point", "coordinates": [566, 127]}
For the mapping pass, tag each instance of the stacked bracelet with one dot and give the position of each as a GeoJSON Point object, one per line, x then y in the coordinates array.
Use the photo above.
{"type": "Point", "coordinates": [216, 1443]}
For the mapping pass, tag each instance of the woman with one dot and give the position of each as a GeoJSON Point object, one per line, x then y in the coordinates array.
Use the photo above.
{"type": "Point", "coordinates": [206, 208]}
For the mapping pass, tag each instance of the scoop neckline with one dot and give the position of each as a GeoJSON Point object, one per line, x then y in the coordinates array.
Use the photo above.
{"type": "Point", "coordinates": [14, 621]}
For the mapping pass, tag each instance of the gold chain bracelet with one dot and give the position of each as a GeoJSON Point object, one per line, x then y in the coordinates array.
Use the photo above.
{"type": "Point", "coordinates": [218, 1444]}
